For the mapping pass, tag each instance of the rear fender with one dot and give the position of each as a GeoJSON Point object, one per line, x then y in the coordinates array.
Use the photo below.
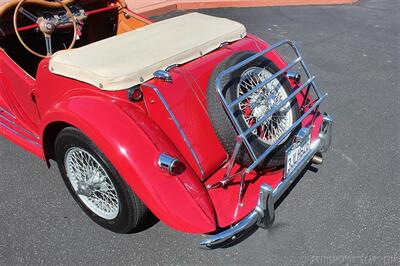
{"type": "Point", "coordinates": [133, 143]}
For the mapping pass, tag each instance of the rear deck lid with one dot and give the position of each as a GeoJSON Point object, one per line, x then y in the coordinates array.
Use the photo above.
{"type": "Point", "coordinates": [126, 60]}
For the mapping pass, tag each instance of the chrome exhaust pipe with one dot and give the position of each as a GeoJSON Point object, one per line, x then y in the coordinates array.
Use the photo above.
{"type": "Point", "coordinates": [317, 159]}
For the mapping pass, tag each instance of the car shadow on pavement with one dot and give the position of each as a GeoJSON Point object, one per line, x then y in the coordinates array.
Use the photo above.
{"type": "Point", "coordinates": [309, 167]}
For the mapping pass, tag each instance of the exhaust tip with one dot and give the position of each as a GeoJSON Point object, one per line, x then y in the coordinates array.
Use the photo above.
{"type": "Point", "coordinates": [317, 159]}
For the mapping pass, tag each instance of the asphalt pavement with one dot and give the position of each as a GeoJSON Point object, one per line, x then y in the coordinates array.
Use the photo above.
{"type": "Point", "coordinates": [348, 212]}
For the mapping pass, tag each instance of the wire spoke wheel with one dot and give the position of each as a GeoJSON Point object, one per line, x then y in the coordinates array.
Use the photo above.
{"type": "Point", "coordinates": [251, 110]}
{"type": "Point", "coordinates": [91, 183]}
{"type": "Point", "coordinates": [263, 101]}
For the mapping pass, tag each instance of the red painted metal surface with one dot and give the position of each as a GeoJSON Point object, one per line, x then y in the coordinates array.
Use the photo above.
{"type": "Point", "coordinates": [133, 135]}
{"type": "Point", "coordinates": [101, 10]}
{"type": "Point", "coordinates": [132, 142]}
{"type": "Point", "coordinates": [28, 27]}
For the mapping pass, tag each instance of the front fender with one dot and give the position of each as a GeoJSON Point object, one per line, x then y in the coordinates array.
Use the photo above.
{"type": "Point", "coordinates": [133, 143]}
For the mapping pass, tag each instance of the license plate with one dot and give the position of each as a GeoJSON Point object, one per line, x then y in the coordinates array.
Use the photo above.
{"type": "Point", "coordinates": [296, 152]}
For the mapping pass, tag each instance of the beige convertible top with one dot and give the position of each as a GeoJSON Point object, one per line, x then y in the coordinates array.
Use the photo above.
{"type": "Point", "coordinates": [131, 58]}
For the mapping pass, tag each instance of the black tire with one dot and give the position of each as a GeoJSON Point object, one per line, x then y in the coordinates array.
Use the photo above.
{"type": "Point", "coordinates": [221, 123]}
{"type": "Point", "coordinates": [132, 211]}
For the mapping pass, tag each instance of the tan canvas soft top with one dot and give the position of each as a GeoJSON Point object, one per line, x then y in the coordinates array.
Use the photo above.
{"type": "Point", "coordinates": [131, 58]}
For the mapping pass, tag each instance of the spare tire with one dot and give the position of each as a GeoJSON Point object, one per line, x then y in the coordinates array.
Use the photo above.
{"type": "Point", "coordinates": [253, 108]}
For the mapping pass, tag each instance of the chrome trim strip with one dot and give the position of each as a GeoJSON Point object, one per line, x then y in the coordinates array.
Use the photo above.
{"type": "Point", "coordinates": [2, 109]}
{"type": "Point", "coordinates": [18, 126]}
{"type": "Point", "coordinates": [19, 134]}
{"type": "Point", "coordinates": [159, 94]}
{"type": "Point", "coordinates": [264, 213]}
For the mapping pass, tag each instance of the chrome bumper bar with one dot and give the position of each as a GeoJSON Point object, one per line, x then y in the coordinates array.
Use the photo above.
{"type": "Point", "coordinates": [264, 213]}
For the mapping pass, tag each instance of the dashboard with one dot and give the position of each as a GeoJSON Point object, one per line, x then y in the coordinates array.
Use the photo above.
{"type": "Point", "coordinates": [81, 9]}
{"type": "Point", "coordinates": [60, 18]}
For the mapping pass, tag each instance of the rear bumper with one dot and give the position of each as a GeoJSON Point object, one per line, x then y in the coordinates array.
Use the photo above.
{"type": "Point", "coordinates": [264, 213]}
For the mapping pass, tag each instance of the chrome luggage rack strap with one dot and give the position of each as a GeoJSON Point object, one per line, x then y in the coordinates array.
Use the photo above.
{"type": "Point", "coordinates": [177, 124]}
{"type": "Point", "coordinates": [242, 137]}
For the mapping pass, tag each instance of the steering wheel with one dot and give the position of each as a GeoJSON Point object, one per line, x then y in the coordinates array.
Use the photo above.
{"type": "Point", "coordinates": [45, 25]}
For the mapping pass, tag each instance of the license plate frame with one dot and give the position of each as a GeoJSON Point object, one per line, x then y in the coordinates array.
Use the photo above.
{"type": "Point", "coordinates": [296, 152]}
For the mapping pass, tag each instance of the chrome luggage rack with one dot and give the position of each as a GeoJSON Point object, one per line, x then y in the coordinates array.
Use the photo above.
{"type": "Point", "coordinates": [242, 137]}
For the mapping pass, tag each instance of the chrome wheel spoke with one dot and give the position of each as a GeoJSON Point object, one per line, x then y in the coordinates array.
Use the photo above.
{"type": "Point", "coordinates": [261, 102]}
{"type": "Point", "coordinates": [49, 48]}
{"type": "Point", "coordinates": [28, 14]}
{"type": "Point", "coordinates": [92, 183]}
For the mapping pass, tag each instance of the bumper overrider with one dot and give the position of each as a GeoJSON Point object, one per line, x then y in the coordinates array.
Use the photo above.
{"type": "Point", "coordinates": [264, 213]}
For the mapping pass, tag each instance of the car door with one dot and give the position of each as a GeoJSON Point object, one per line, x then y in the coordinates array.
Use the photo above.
{"type": "Point", "coordinates": [17, 91]}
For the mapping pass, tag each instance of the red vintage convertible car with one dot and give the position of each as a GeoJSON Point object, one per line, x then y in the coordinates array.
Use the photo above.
{"type": "Point", "coordinates": [191, 118]}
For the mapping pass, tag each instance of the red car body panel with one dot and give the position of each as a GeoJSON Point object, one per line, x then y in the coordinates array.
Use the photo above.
{"type": "Point", "coordinates": [132, 143]}
{"type": "Point", "coordinates": [190, 104]}
{"type": "Point", "coordinates": [133, 135]}
{"type": "Point", "coordinates": [15, 84]}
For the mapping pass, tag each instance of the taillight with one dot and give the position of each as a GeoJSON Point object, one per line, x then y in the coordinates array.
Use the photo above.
{"type": "Point", "coordinates": [171, 164]}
